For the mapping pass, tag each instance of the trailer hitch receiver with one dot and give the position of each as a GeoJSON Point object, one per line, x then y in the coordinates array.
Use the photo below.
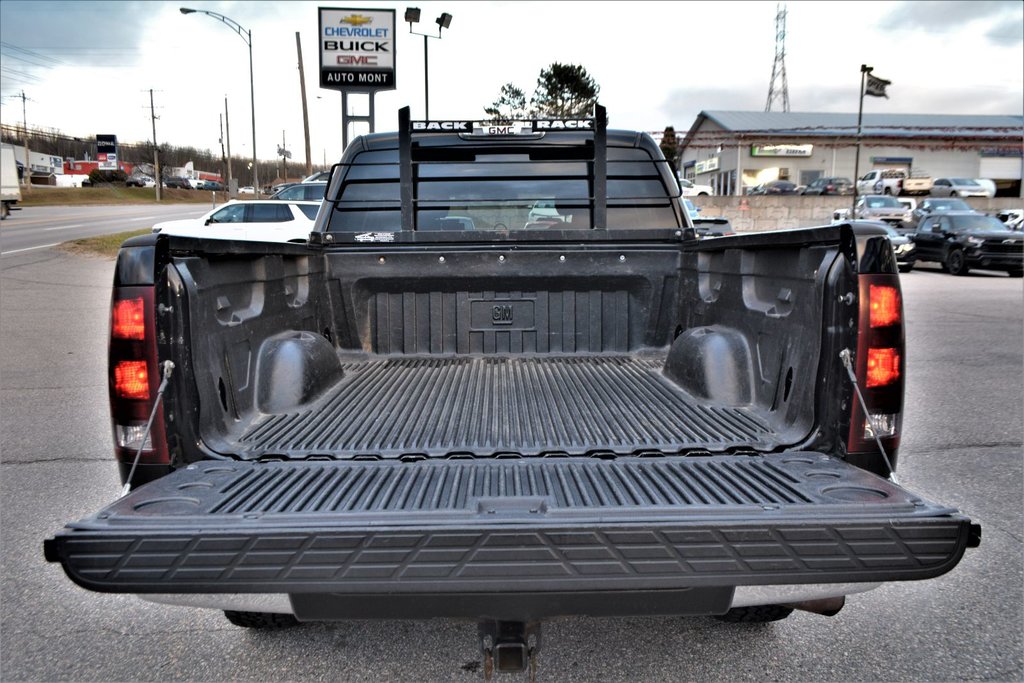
{"type": "Point", "coordinates": [509, 646]}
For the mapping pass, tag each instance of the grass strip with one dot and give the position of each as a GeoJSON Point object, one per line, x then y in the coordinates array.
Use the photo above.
{"type": "Point", "coordinates": [104, 245]}
{"type": "Point", "coordinates": [114, 194]}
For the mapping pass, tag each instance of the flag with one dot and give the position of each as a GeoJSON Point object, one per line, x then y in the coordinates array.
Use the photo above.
{"type": "Point", "coordinates": [876, 86]}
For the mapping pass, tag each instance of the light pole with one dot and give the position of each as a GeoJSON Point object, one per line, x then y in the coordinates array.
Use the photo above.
{"type": "Point", "coordinates": [246, 35]}
{"type": "Point", "coordinates": [412, 15]}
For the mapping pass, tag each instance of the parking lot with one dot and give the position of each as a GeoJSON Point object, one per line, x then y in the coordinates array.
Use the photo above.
{"type": "Point", "coordinates": [962, 445]}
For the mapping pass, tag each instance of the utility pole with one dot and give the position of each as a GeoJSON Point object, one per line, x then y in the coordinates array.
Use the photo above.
{"type": "Point", "coordinates": [227, 128]}
{"type": "Point", "coordinates": [284, 159]}
{"type": "Point", "coordinates": [27, 172]}
{"type": "Point", "coordinates": [305, 109]}
{"type": "Point", "coordinates": [223, 159]}
{"type": "Point", "coordinates": [156, 150]}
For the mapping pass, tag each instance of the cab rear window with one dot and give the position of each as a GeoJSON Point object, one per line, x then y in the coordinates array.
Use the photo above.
{"type": "Point", "coordinates": [481, 189]}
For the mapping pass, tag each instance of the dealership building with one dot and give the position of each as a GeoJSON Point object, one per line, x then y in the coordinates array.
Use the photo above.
{"type": "Point", "coordinates": [734, 151]}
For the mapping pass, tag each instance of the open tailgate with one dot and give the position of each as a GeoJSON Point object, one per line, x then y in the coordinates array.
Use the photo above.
{"type": "Point", "coordinates": [554, 524]}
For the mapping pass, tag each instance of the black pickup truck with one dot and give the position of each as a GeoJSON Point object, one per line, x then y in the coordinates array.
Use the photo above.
{"type": "Point", "coordinates": [504, 381]}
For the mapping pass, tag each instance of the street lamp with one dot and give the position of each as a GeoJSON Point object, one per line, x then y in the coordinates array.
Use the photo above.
{"type": "Point", "coordinates": [412, 15]}
{"type": "Point", "coordinates": [246, 35]}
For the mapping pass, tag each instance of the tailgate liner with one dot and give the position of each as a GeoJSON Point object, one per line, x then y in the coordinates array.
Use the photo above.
{"type": "Point", "coordinates": [558, 524]}
{"type": "Point", "coordinates": [493, 405]}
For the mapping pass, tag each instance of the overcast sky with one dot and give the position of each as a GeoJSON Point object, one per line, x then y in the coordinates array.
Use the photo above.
{"type": "Point", "coordinates": [87, 67]}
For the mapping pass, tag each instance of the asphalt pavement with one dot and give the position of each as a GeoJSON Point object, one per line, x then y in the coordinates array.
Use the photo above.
{"type": "Point", "coordinates": [42, 227]}
{"type": "Point", "coordinates": [962, 446]}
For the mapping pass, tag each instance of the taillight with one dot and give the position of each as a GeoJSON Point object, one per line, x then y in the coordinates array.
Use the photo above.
{"type": "Point", "coordinates": [127, 319]}
{"type": "Point", "coordinates": [883, 367]}
{"type": "Point", "coordinates": [131, 379]}
{"type": "Point", "coordinates": [134, 378]}
{"type": "Point", "coordinates": [879, 366]}
{"type": "Point", "coordinates": [884, 304]}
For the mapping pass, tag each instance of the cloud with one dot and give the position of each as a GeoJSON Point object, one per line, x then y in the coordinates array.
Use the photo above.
{"type": "Point", "coordinates": [943, 16]}
{"type": "Point", "coordinates": [1008, 32]}
{"type": "Point", "coordinates": [41, 36]}
{"type": "Point", "coordinates": [682, 106]}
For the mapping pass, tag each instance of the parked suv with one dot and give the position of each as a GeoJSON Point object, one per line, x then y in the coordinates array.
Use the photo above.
{"type": "Point", "coordinates": [181, 183]}
{"type": "Point", "coordinates": [829, 186]}
{"type": "Point", "coordinates": [963, 240]}
{"type": "Point", "coordinates": [309, 192]}
{"type": "Point", "coordinates": [933, 205]}
{"type": "Point", "coordinates": [881, 207]}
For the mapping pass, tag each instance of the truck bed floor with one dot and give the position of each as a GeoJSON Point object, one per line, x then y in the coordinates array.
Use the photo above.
{"type": "Point", "coordinates": [489, 406]}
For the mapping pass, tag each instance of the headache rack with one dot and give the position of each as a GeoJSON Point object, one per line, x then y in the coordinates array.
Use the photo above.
{"type": "Point", "coordinates": [502, 178]}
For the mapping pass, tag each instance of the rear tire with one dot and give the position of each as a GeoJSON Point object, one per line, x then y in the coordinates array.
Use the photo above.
{"type": "Point", "coordinates": [755, 614]}
{"type": "Point", "coordinates": [261, 620]}
{"type": "Point", "coordinates": [955, 263]}
{"type": "Point", "coordinates": [1015, 273]}
{"type": "Point", "coordinates": [906, 268]}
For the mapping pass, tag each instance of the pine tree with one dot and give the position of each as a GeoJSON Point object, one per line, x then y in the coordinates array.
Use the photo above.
{"type": "Point", "coordinates": [564, 91]}
{"type": "Point", "coordinates": [510, 105]}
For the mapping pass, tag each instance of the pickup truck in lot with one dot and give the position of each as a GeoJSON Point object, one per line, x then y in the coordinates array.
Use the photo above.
{"type": "Point", "coordinates": [438, 407]}
{"type": "Point", "coordinates": [894, 182]}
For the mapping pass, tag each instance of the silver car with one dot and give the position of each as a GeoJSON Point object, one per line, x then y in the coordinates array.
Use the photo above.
{"type": "Point", "coordinates": [958, 187]}
{"type": "Point", "coordinates": [881, 207]}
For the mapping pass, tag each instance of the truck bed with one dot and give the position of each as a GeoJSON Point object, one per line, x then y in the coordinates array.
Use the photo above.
{"type": "Point", "coordinates": [491, 405]}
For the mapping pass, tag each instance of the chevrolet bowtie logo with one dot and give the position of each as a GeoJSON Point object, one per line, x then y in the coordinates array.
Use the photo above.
{"type": "Point", "coordinates": [356, 20]}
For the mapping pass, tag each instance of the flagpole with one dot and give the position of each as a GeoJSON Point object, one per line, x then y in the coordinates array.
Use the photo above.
{"type": "Point", "coordinates": [860, 116]}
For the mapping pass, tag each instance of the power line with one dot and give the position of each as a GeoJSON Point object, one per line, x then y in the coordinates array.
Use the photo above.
{"type": "Point", "coordinates": [32, 53]}
{"type": "Point", "coordinates": [23, 74]}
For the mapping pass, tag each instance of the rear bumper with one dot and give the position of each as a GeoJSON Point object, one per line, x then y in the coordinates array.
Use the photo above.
{"type": "Point", "coordinates": [565, 526]}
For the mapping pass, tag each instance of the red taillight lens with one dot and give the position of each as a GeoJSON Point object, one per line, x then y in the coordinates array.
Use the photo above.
{"type": "Point", "coordinates": [883, 367]}
{"type": "Point", "coordinates": [131, 379]}
{"type": "Point", "coordinates": [128, 319]}
{"type": "Point", "coordinates": [885, 305]}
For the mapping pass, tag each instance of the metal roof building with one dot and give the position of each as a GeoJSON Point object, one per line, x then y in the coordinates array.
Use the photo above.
{"type": "Point", "coordinates": [736, 150]}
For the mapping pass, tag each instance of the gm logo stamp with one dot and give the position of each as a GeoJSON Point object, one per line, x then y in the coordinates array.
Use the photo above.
{"type": "Point", "coordinates": [501, 314]}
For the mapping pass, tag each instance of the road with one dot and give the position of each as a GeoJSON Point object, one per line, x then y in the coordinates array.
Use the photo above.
{"type": "Point", "coordinates": [962, 445]}
{"type": "Point", "coordinates": [40, 227]}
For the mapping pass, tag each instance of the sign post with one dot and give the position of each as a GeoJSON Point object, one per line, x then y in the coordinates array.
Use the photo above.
{"type": "Point", "coordinates": [357, 55]}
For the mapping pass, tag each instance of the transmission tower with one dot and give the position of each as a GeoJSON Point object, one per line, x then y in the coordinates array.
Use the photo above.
{"type": "Point", "coordinates": [779, 87]}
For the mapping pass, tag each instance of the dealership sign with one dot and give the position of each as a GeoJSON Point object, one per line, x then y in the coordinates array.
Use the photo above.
{"type": "Point", "coordinates": [781, 150]}
{"type": "Point", "coordinates": [357, 49]}
{"type": "Point", "coordinates": [706, 166]}
{"type": "Point", "coordinates": [106, 152]}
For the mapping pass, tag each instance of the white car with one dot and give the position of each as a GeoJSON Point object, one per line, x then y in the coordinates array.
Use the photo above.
{"type": "Point", "coordinates": [691, 190]}
{"type": "Point", "coordinates": [248, 189]}
{"type": "Point", "coordinates": [958, 187]}
{"type": "Point", "coordinates": [988, 186]}
{"type": "Point", "coordinates": [255, 221]}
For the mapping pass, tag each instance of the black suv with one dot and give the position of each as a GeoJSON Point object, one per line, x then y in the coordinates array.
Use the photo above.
{"type": "Point", "coordinates": [180, 183]}
{"type": "Point", "coordinates": [961, 240]}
